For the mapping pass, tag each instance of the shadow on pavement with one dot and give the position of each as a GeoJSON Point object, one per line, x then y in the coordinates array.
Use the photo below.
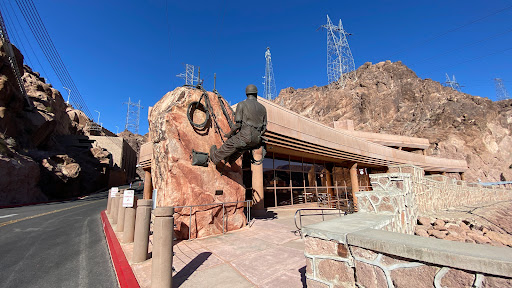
{"type": "Point", "coordinates": [186, 271]}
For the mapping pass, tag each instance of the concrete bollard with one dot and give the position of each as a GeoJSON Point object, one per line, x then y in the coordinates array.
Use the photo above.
{"type": "Point", "coordinates": [120, 217]}
{"type": "Point", "coordinates": [141, 235]}
{"type": "Point", "coordinates": [115, 211]}
{"type": "Point", "coordinates": [109, 202]}
{"type": "Point", "coordinates": [129, 222]}
{"type": "Point", "coordinates": [161, 266]}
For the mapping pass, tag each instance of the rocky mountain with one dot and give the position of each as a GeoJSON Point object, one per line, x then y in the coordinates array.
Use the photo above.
{"type": "Point", "coordinates": [390, 98]}
{"type": "Point", "coordinates": [135, 141]}
{"type": "Point", "coordinates": [33, 164]}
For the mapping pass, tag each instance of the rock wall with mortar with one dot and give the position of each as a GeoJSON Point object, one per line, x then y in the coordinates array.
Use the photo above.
{"type": "Point", "coordinates": [332, 264]}
{"type": "Point", "coordinates": [405, 192]}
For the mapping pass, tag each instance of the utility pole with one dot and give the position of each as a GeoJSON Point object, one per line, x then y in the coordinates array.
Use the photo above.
{"type": "Point", "coordinates": [133, 116]}
{"type": "Point", "coordinates": [69, 93]}
{"type": "Point", "coordinates": [270, 83]}
{"type": "Point", "coordinates": [501, 91]}
{"type": "Point", "coordinates": [12, 60]}
{"type": "Point", "coordinates": [339, 56]}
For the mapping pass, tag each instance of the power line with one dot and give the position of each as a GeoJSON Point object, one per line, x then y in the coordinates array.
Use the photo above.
{"type": "Point", "coordinates": [450, 31]}
{"type": "Point", "coordinates": [40, 32]}
{"type": "Point", "coordinates": [473, 59]}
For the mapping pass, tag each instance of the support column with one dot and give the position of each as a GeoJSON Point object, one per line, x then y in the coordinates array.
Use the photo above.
{"type": "Point", "coordinates": [258, 193]}
{"type": "Point", "coordinates": [129, 222]}
{"type": "Point", "coordinates": [161, 265]}
{"type": "Point", "coordinates": [141, 236]}
{"type": "Point", "coordinates": [355, 184]}
{"type": "Point", "coordinates": [462, 176]}
{"type": "Point", "coordinates": [148, 185]}
{"type": "Point", "coordinates": [109, 201]}
{"type": "Point", "coordinates": [328, 182]}
{"type": "Point", "coordinates": [115, 210]}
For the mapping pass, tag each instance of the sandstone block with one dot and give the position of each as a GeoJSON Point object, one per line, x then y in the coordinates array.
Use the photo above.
{"type": "Point", "coordinates": [455, 278]}
{"type": "Point", "coordinates": [501, 238]}
{"type": "Point", "coordinates": [418, 277]}
{"type": "Point", "coordinates": [425, 221]}
{"type": "Point", "coordinates": [181, 184]}
{"type": "Point", "coordinates": [317, 246]}
{"type": "Point", "coordinates": [370, 276]}
{"type": "Point", "coordinates": [439, 234]}
{"type": "Point", "coordinates": [479, 239]}
{"type": "Point", "coordinates": [421, 232]}
{"type": "Point", "coordinates": [335, 271]}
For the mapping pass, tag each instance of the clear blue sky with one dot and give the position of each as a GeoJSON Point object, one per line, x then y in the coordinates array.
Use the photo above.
{"type": "Point", "coordinates": [119, 49]}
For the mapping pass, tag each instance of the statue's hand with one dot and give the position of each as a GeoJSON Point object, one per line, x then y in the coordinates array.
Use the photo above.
{"type": "Point", "coordinates": [228, 135]}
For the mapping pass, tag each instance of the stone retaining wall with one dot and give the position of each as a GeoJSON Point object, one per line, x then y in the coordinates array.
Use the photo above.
{"type": "Point", "coordinates": [332, 263]}
{"type": "Point", "coordinates": [405, 192]}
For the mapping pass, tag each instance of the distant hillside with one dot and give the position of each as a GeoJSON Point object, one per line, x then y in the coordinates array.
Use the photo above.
{"type": "Point", "coordinates": [390, 98]}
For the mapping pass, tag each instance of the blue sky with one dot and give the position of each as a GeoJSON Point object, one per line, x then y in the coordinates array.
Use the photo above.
{"type": "Point", "coordinates": [119, 49]}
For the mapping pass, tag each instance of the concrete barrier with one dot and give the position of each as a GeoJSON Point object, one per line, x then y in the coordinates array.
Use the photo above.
{"type": "Point", "coordinates": [141, 235]}
{"type": "Point", "coordinates": [120, 217]}
{"type": "Point", "coordinates": [129, 222]}
{"type": "Point", "coordinates": [161, 266]}
{"type": "Point", "coordinates": [115, 208]}
{"type": "Point", "coordinates": [109, 202]}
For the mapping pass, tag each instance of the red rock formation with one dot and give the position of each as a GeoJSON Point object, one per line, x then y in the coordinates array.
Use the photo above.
{"type": "Point", "coordinates": [181, 184]}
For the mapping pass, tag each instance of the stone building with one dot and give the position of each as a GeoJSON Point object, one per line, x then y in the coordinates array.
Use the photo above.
{"type": "Point", "coordinates": [307, 161]}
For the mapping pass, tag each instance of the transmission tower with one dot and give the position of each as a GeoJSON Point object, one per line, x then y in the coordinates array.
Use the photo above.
{"type": "Point", "coordinates": [189, 76]}
{"type": "Point", "coordinates": [12, 59]}
{"type": "Point", "coordinates": [339, 56]}
{"type": "Point", "coordinates": [501, 91]}
{"type": "Point", "coordinates": [133, 116]}
{"type": "Point", "coordinates": [452, 83]}
{"type": "Point", "coordinates": [270, 83]}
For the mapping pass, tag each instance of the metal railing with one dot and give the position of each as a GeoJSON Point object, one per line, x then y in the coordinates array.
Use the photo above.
{"type": "Point", "coordinates": [299, 212]}
{"type": "Point", "coordinates": [247, 204]}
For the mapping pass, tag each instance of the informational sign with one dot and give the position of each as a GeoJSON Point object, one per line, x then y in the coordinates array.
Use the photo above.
{"type": "Point", "coordinates": [113, 191]}
{"type": "Point", "coordinates": [128, 198]}
{"type": "Point", "coordinates": [154, 198]}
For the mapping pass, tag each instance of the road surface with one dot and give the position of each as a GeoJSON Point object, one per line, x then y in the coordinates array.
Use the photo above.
{"type": "Point", "coordinates": [55, 245]}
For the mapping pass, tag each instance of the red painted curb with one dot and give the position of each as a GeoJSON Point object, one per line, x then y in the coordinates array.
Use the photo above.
{"type": "Point", "coordinates": [124, 273]}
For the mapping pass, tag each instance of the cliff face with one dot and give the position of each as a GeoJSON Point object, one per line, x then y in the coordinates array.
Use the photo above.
{"type": "Point", "coordinates": [389, 98]}
{"type": "Point", "coordinates": [33, 166]}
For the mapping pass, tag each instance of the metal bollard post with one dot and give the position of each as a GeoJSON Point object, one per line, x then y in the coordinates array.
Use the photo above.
{"type": "Point", "coordinates": [161, 266]}
{"type": "Point", "coordinates": [141, 236]}
{"type": "Point", "coordinates": [120, 216]}
{"type": "Point", "coordinates": [129, 222]}
{"type": "Point", "coordinates": [115, 207]}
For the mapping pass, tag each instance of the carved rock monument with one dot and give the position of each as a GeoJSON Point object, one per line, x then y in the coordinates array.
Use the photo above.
{"type": "Point", "coordinates": [179, 183]}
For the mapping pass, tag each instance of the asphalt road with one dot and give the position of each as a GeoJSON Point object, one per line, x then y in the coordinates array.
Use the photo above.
{"type": "Point", "coordinates": [55, 245]}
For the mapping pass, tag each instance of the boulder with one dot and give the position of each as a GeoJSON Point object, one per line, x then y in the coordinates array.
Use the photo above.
{"type": "Point", "coordinates": [424, 221]}
{"type": "Point", "coordinates": [178, 182]}
{"type": "Point", "coordinates": [19, 176]}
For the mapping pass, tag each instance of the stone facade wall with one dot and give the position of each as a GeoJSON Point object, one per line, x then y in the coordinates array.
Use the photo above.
{"type": "Point", "coordinates": [332, 264]}
{"type": "Point", "coordinates": [405, 192]}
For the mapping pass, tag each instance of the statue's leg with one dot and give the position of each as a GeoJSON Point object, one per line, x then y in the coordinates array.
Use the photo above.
{"type": "Point", "coordinates": [227, 149]}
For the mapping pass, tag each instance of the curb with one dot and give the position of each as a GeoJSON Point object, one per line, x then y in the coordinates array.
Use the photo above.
{"type": "Point", "coordinates": [124, 273]}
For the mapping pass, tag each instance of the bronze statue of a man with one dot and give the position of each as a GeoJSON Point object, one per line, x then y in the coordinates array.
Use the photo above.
{"type": "Point", "coordinates": [251, 123]}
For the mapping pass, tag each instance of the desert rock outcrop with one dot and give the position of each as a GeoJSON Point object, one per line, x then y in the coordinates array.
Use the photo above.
{"type": "Point", "coordinates": [390, 98]}
{"type": "Point", "coordinates": [181, 184]}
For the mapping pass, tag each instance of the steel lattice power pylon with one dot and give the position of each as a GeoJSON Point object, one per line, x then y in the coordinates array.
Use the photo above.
{"type": "Point", "coordinates": [453, 83]}
{"type": "Point", "coordinates": [501, 91]}
{"type": "Point", "coordinates": [270, 83]}
{"type": "Point", "coordinates": [339, 56]}
{"type": "Point", "coordinates": [132, 116]}
{"type": "Point", "coordinates": [189, 76]}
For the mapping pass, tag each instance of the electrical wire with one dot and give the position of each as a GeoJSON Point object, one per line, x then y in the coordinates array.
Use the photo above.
{"type": "Point", "coordinates": [450, 31]}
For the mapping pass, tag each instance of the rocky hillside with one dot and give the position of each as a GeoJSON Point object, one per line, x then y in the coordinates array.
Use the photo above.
{"type": "Point", "coordinates": [33, 166]}
{"type": "Point", "coordinates": [390, 98]}
{"type": "Point", "coordinates": [135, 141]}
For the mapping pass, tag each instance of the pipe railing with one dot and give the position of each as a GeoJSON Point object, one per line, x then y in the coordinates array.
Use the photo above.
{"type": "Point", "coordinates": [299, 212]}
{"type": "Point", "coordinates": [247, 204]}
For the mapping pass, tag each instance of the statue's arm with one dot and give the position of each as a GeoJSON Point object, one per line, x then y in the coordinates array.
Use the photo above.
{"type": "Point", "coordinates": [238, 120]}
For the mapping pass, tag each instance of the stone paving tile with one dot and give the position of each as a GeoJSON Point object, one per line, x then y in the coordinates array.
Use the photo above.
{"type": "Point", "coordinates": [287, 279]}
{"type": "Point", "coordinates": [196, 259]}
{"type": "Point", "coordinates": [261, 266]}
{"type": "Point", "coordinates": [238, 249]}
{"type": "Point", "coordinates": [277, 237]}
{"type": "Point", "coordinates": [220, 276]}
{"type": "Point", "coordinates": [142, 272]}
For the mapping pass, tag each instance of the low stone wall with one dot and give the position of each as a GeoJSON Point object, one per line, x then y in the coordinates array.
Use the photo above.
{"type": "Point", "coordinates": [347, 252]}
{"type": "Point", "coordinates": [405, 192]}
{"type": "Point", "coordinates": [437, 192]}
